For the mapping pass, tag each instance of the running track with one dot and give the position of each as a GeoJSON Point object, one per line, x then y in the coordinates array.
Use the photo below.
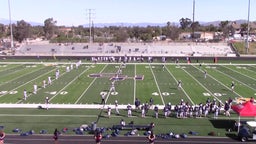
{"type": "Point", "coordinates": [47, 139]}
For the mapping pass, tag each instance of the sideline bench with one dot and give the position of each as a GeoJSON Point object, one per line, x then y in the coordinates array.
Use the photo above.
{"type": "Point", "coordinates": [131, 127]}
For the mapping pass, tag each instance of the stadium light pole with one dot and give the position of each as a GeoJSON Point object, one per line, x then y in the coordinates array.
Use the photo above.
{"type": "Point", "coordinates": [193, 21]}
{"type": "Point", "coordinates": [90, 27]}
{"type": "Point", "coordinates": [10, 23]}
{"type": "Point", "coordinates": [248, 27]}
{"type": "Point", "coordinates": [90, 13]}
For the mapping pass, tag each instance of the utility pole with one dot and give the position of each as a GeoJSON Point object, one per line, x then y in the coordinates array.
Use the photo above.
{"type": "Point", "coordinates": [193, 21]}
{"type": "Point", "coordinates": [248, 28]}
{"type": "Point", "coordinates": [90, 13]}
{"type": "Point", "coordinates": [10, 23]}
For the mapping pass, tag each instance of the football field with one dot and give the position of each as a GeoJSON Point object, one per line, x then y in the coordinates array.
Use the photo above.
{"type": "Point", "coordinates": [75, 93]}
{"type": "Point", "coordinates": [85, 84]}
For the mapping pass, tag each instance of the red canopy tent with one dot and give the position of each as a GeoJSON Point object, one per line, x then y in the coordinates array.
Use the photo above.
{"type": "Point", "coordinates": [247, 109]}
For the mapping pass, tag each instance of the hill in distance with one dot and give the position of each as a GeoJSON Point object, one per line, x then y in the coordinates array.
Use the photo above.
{"type": "Point", "coordinates": [125, 24]}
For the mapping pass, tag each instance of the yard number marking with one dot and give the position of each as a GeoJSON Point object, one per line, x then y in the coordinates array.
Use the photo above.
{"type": "Point", "coordinates": [215, 94]}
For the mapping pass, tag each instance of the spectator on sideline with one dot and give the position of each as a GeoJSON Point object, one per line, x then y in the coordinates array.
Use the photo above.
{"type": "Point", "coordinates": [47, 101]}
{"type": "Point", "coordinates": [129, 110]}
{"type": "Point", "coordinates": [109, 111]}
{"type": "Point", "coordinates": [137, 104]}
{"type": "Point", "coordinates": [122, 122]}
{"type": "Point", "coordinates": [56, 134]}
{"type": "Point", "coordinates": [116, 107]}
{"type": "Point", "coordinates": [98, 137]}
{"type": "Point", "coordinates": [2, 135]}
{"type": "Point", "coordinates": [151, 138]}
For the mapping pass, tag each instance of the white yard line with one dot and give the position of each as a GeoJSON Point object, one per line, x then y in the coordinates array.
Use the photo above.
{"type": "Point", "coordinates": [240, 73]}
{"type": "Point", "coordinates": [22, 84]}
{"type": "Point", "coordinates": [38, 88]}
{"type": "Point", "coordinates": [235, 79]}
{"type": "Point", "coordinates": [219, 82]}
{"type": "Point", "coordinates": [203, 86]}
{"type": "Point", "coordinates": [181, 87]}
{"type": "Point", "coordinates": [4, 70]}
{"type": "Point", "coordinates": [252, 67]}
{"type": "Point", "coordinates": [68, 84]}
{"type": "Point", "coordinates": [13, 79]}
{"type": "Point", "coordinates": [157, 85]}
{"type": "Point", "coordinates": [88, 86]}
{"type": "Point", "coordinates": [41, 88]}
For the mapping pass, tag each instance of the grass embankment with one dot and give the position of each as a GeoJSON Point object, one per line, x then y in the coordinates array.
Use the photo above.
{"type": "Point", "coordinates": [241, 48]}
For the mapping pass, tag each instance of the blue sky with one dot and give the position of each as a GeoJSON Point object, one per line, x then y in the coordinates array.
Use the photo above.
{"type": "Point", "coordinates": [76, 12]}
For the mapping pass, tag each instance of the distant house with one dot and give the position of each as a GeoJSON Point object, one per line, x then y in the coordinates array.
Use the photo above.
{"type": "Point", "coordinates": [240, 34]}
{"type": "Point", "coordinates": [201, 36]}
{"type": "Point", "coordinates": [64, 29]}
{"type": "Point", "coordinates": [237, 27]}
{"type": "Point", "coordinates": [160, 38]}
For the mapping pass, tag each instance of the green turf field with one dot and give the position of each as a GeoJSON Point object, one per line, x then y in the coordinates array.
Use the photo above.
{"type": "Point", "coordinates": [82, 87]}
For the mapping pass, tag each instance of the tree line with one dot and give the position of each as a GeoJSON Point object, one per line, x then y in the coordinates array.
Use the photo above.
{"type": "Point", "coordinates": [50, 31]}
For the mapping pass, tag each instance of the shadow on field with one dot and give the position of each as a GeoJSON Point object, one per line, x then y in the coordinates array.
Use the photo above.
{"type": "Point", "coordinates": [223, 124]}
{"type": "Point", "coordinates": [232, 136]}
